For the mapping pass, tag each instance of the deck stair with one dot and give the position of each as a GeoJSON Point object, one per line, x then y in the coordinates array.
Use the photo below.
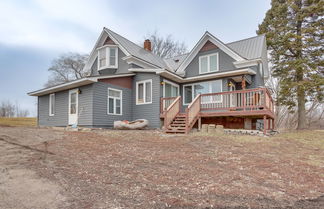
{"type": "Point", "coordinates": [178, 125]}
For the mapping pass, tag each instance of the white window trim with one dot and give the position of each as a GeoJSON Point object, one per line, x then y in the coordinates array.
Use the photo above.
{"type": "Point", "coordinates": [172, 84]}
{"type": "Point", "coordinates": [50, 103]}
{"type": "Point", "coordinates": [121, 101]}
{"type": "Point", "coordinates": [107, 49]}
{"type": "Point", "coordinates": [208, 63]}
{"type": "Point", "coordinates": [193, 92]}
{"type": "Point", "coordinates": [144, 91]}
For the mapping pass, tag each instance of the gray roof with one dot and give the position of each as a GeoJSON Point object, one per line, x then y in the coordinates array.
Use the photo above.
{"type": "Point", "coordinates": [250, 48]}
{"type": "Point", "coordinates": [138, 51]}
{"type": "Point", "coordinates": [175, 62]}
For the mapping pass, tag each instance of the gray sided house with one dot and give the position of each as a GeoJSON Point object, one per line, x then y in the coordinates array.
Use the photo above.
{"type": "Point", "coordinates": [216, 83]}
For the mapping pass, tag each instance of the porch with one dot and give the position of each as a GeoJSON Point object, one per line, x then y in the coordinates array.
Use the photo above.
{"type": "Point", "coordinates": [249, 103]}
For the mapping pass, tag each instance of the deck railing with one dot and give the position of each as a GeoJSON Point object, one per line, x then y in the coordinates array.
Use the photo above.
{"type": "Point", "coordinates": [249, 99]}
{"type": "Point", "coordinates": [192, 112]}
{"type": "Point", "coordinates": [171, 112]}
{"type": "Point", "coordinates": [165, 103]}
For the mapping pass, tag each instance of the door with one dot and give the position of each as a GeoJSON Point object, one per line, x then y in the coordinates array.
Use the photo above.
{"type": "Point", "coordinates": [73, 107]}
{"type": "Point", "coordinates": [233, 95]}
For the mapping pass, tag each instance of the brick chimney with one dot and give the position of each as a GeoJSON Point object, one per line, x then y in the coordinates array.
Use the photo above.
{"type": "Point", "coordinates": [147, 45]}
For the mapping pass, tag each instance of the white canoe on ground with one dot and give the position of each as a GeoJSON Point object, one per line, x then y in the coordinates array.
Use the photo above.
{"type": "Point", "coordinates": [131, 125]}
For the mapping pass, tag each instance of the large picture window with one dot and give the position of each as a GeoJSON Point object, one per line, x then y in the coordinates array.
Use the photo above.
{"type": "Point", "coordinates": [208, 63]}
{"type": "Point", "coordinates": [51, 104]}
{"type": "Point", "coordinates": [190, 91]}
{"type": "Point", "coordinates": [144, 92]}
{"type": "Point", "coordinates": [114, 101]}
{"type": "Point", "coordinates": [107, 57]}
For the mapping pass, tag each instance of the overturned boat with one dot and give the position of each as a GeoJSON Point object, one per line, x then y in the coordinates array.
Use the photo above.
{"type": "Point", "coordinates": [131, 125]}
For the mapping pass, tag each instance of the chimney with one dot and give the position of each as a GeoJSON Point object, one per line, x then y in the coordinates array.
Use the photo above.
{"type": "Point", "coordinates": [147, 45]}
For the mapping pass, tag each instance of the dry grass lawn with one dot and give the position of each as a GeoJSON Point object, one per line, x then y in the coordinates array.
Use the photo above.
{"type": "Point", "coordinates": [148, 169]}
{"type": "Point", "coordinates": [30, 122]}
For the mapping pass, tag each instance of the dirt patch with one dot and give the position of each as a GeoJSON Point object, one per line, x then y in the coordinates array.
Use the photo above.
{"type": "Point", "coordinates": [148, 169]}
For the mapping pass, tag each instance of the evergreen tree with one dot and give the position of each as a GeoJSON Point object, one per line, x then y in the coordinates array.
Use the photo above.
{"type": "Point", "coordinates": [294, 32]}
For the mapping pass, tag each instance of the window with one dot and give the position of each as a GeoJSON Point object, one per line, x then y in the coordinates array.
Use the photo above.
{"type": "Point", "coordinates": [114, 102]}
{"type": "Point", "coordinates": [170, 89]}
{"type": "Point", "coordinates": [208, 63]}
{"type": "Point", "coordinates": [107, 57]}
{"type": "Point", "coordinates": [192, 90]}
{"type": "Point", "coordinates": [144, 92]}
{"type": "Point", "coordinates": [51, 104]}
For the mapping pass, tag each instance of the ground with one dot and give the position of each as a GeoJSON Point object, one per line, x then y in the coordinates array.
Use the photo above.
{"type": "Point", "coordinates": [148, 169]}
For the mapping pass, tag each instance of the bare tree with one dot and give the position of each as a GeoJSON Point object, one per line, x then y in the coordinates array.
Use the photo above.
{"type": "Point", "coordinates": [67, 67]}
{"type": "Point", "coordinates": [166, 47]}
{"type": "Point", "coordinates": [7, 109]}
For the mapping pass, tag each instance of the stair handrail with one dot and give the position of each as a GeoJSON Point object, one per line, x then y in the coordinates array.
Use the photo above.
{"type": "Point", "coordinates": [171, 112]}
{"type": "Point", "coordinates": [192, 112]}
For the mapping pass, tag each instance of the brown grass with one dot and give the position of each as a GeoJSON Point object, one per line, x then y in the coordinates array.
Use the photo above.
{"type": "Point", "coordinates": [29, 122]}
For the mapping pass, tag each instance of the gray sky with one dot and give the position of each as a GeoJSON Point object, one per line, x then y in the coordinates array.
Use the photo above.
{"type": "Point", "coordinates": [34, 32]}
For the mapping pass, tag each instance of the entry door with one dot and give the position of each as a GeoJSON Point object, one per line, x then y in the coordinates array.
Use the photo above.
{"type": "Point", "coordinates": [73, 107]}
{"type": "Point", "coordinates": [233, 96]}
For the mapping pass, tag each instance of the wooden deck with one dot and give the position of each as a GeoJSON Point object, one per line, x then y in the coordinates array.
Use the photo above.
{"type": "Point", "coordinates": [256, 103]}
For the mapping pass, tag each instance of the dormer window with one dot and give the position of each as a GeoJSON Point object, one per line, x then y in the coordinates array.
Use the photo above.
{"type": "Point", "coordinates": [208, 63]}
{"type": "Point", "coordinates": [107, 57]}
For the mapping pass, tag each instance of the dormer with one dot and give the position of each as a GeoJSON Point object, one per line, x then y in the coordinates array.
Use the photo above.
{"type": "Point", "coordinates": [108, 55]}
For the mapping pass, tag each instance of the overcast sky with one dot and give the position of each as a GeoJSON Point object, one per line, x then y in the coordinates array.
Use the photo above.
{"type": "Point", "coordinates": [34, 32]}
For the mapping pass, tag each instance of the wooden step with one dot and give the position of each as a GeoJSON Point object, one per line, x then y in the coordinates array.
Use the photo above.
{"type": "Point", "coordinates": [176, 131]}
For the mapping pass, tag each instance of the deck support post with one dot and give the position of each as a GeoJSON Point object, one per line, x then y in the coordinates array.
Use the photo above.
{"type": "Point", "coordinates": [199, 123]}
{"type": "Point", "coordinates": [264, 124]}
{"type": "Point", "coordinates": [269, 123]}
{"type": "Point", "coordinates": [273, 124]}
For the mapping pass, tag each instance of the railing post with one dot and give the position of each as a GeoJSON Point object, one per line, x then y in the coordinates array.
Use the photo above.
{"type": "Point", "coordinates": [187, 120]}
{"type": "Point", "coordinates": [264, 124]}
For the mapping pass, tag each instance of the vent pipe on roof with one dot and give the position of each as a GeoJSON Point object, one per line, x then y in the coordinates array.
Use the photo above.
{"type": "Point", "coordinates": [147, 45]}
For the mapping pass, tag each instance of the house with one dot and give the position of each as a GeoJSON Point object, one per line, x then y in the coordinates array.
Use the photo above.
{"type": "Point", "coordinates": [215, 83]}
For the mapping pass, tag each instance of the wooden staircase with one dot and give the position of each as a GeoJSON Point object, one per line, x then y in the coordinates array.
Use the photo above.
{"type": "Point", "coordinates": [178, 125]}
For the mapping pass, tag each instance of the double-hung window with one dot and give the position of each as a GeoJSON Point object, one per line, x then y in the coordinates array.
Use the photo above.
{"type": "Point", "coordinates": [192, 90]}
{"type": "Point", "coordinates": [107, 57]}
{"type": "Point", "coordinates": [144, 92]}
{"type": "Point", "coordinates": [208, 63]}
{"type": "Point", "coordinates": [114, 101]}
{"type": "Point", "coordinates": [51, 104]}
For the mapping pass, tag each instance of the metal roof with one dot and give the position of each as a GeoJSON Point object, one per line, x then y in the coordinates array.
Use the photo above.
{"type": "Point", "coordinates": [250, 48]}
{"type": "Point", "coordinates": [138, 51]}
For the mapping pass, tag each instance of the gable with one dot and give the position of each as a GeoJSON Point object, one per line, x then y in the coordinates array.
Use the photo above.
{"type": "Point", "coordinates": [205, 39]}
{"type": "Point", "coordinates": [208, 46]}
{"type": "Point", "coordinates": [109, 41]}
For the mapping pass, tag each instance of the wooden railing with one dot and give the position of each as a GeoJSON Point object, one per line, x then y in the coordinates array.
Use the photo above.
{"type": "Point", "coordinates": [249, 99]}
{"type": "Point", "coordinates": [192, 112]}
{"type": "Point", "coordinates": [171, 112]}
{"type": "Point", "coordinates": [165, 103]}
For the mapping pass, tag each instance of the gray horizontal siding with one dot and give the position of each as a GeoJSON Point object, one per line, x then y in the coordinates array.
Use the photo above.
{"type": "Point", "coordinates": [85, 106]}
{"type": "Point", "coordinates": [100, 104]}
{"type": "Point", "coordinates": [60, 117]}
{"type": "Point", "coordinates": [151, 112]}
